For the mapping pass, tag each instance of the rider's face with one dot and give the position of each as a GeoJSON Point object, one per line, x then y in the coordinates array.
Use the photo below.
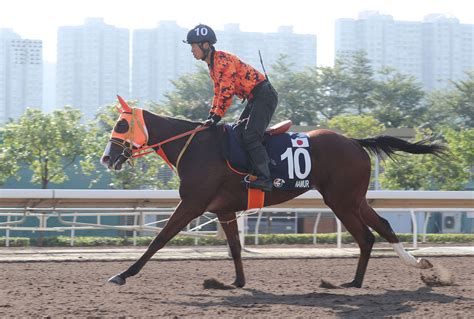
{"type": "Point", "coordinates": [197, 52]}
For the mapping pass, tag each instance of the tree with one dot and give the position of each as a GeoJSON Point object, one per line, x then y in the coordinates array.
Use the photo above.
{"type": "Point", "coordinates": [397, 99]}
{"type": "Point", "coordinates": [9, 166]}
{"type": "Point", "coordinates": [463, 97]}
{"type": "Point", "coordinates": [428, 172]}
{"type": "Point", "coordinates": [333, 91]}
{"type": "Point", "coordinates": [356, 126]}
{"type": "Point", "coordinates": [454, 108]}
{"type": "Point", "coordinates": [192, 95]}
{"type": "Point", "coordinates": [360, 81]}
{"type": "Point", "coordinates": [439, 111]}
{"type": "Point", "coordinates": [46, 144]}
{"type": "Point", "coordinates": [297, 93]}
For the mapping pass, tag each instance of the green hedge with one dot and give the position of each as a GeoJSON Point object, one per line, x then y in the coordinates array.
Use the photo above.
{"type": "Point", "coordinates": [331, 238]}
{"type": "Point", "coordinates": [16, 241]}
{"type": "Point", "coordinates": [264, 239]}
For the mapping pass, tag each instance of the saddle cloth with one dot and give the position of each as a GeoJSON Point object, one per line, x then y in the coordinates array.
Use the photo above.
{"type": "Point", "coordinates": [290, 159]}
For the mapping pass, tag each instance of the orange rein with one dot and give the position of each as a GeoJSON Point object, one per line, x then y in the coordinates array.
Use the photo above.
{"type": "Point", "coordinates": [144, 150]}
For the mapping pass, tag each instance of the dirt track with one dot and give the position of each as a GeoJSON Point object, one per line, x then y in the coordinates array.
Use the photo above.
{"type": "Point", "coordinates": [275, 288]}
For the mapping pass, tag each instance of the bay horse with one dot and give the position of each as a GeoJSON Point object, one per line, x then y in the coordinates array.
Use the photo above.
{"type": "Point", "coordinates": [340, 171]}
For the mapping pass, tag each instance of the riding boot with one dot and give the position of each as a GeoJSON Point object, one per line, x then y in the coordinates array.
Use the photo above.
{"type": "Point", "coordinates": [259, 160]}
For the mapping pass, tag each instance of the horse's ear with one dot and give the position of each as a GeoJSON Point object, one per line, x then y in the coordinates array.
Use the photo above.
{"type": "Point", "coordinates": [125, 107]}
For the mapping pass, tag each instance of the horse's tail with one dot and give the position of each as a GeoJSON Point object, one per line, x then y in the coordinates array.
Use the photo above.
{"type": "Point", "coordinates": [388, 145]}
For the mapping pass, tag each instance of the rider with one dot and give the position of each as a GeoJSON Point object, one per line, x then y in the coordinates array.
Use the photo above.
{"type": "Point", "coordinates": [232, 77]}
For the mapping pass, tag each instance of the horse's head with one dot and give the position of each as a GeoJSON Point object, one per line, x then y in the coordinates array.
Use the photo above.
{"type": "Point", "coordinates": [128, 134]}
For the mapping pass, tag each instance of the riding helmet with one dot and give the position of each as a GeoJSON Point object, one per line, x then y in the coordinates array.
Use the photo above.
{"type": "Point", "coordinates": [201, 33]}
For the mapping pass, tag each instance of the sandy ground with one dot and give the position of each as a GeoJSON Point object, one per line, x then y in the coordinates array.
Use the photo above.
{"type": "Point", "coordinates": [275, 288]}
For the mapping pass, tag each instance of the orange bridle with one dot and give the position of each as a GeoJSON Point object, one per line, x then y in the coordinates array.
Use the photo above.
{"type": "Point", "coordinates": [137, 136]}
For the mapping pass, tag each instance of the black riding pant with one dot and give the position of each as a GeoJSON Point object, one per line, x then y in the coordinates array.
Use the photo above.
{"type": "Point", "coordinates": [258, 112]}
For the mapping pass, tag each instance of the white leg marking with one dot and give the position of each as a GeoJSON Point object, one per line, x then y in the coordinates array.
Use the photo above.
{"type": "Point", "coordinates": [406, 257]}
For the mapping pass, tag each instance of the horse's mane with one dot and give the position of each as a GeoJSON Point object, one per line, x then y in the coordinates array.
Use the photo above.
{"type": "Point", "coordinates": [178, 120]}
{"type": "Point", "coordinates": [173, 119]}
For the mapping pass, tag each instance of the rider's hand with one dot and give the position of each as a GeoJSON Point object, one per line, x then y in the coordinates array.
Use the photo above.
{"type": "Point", "coordinates": [212, 120]}
{"type": "Point", "coordinates": [208, 122]}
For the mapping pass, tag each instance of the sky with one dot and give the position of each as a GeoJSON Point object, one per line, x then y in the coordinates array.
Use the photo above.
{"type": "Point", "coordinates": [34, 19]}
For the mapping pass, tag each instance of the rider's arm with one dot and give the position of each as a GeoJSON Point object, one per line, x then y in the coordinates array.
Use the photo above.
{"type": "Point", "coordinates": [224, 83]}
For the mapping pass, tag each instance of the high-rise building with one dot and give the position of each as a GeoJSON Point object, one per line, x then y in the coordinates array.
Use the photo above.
{"type": "Point", "coordinates": [299, 49]}
{"type": "Point", "coordinates": [92, 65]}
{"type": "Point", "coordinates": [436, 50]}
{"type": "Point", "coordinates": [49, 86]}
{"type": "Point", "coordinates": [448, 50]}
{"type": "Point", "coordinates": [21, 71]}
{"type": "Point", "coordinates": [159, 55]}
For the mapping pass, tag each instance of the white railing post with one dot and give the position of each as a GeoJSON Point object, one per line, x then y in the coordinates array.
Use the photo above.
{"type": "Point", "coordinates": [425, 226]}
{"type": "Point", "coordinates": [415, 228]}
{"type": "Point", "coordinates": [135, 223]}
{"type": "Point", "coordinates": [7, 233]}
{"type": "Point", "coordinates": [73, 231]}
{"type": "Point", "coordinates": [377, 173]}
{"type": "Point", "coordinates": [196, 239]}
{"type": "Point", "coordinates": [339, 233]}
{"type": "Point", "coordinates": [315, 228]}
{"type": "Point", "coordinates": [241, 226]}
{"type": "Point", "coordinates": [296, 222]}
{"type": "Point", "coordinates": [257, 226]}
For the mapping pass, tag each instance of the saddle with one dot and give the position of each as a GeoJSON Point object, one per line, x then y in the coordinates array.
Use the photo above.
{"type": "Point", "coordinates": [279, 128]}
{"type": "Point", "coordinates": [290, 160]}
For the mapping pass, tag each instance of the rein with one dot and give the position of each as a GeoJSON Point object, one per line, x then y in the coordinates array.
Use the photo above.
{"type": "Point", "coordinates": [144, 150]}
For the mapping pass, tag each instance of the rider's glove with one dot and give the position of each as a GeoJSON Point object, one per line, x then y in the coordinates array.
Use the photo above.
{"type": "Point", "coordinates": [212, 119]}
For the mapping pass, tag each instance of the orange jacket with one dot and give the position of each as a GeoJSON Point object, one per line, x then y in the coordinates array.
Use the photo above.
{"type": "Point", "coordinates": [231, 77]}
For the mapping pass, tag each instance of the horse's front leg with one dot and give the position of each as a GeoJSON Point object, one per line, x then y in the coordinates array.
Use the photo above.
{"type": "Point", "coordinates": [184, 213]}
{"type": "Point", "coordinates": [229, 224]}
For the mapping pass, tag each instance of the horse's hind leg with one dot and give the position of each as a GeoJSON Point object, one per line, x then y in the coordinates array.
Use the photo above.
{"type": "Point", "coordinates": [184, 213]}
{"type": "Point", "coordinates": [349, 216]}
{"type": "Point", "coordinates": [377, 223]}
{"type": "Point", "coordinates": [229, 224]}
{"type": "Point", "coordinates": [383, 228]}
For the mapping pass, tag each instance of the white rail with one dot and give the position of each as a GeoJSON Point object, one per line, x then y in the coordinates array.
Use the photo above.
{"type": "Point", "coordinates": [64, 198]}
{"type": "Point", "coordinates": [43, 204]}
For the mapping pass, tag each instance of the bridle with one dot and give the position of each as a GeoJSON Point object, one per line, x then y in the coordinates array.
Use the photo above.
{"type": "Point", "coordinates": [129, 151]}
{"type": "Point", "coordinates": [127, 147]}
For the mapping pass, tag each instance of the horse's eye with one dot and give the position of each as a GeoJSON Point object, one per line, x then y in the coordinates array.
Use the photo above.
{"type": "Point", "coordinates": [121, 126]}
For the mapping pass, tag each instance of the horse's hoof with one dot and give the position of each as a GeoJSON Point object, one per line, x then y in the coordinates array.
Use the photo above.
{"type": "Point", "coordinates": [424, 263]}
{"type": "Point", "coordinates": [238, 284]}
{"type": "Point", "coordinates": [351, 284]}
{"type": "Point", "coordinates": [117, 280]}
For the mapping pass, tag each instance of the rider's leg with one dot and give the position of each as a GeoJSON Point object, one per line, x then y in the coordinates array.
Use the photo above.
{"type": "Point", "coordinates": [261, 108]}
{"type": "Point", "coordinates": [259, 159]}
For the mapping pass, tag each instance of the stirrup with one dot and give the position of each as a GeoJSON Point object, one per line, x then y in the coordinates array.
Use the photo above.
{"type": "Point", "coordinates": [249, 179]}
